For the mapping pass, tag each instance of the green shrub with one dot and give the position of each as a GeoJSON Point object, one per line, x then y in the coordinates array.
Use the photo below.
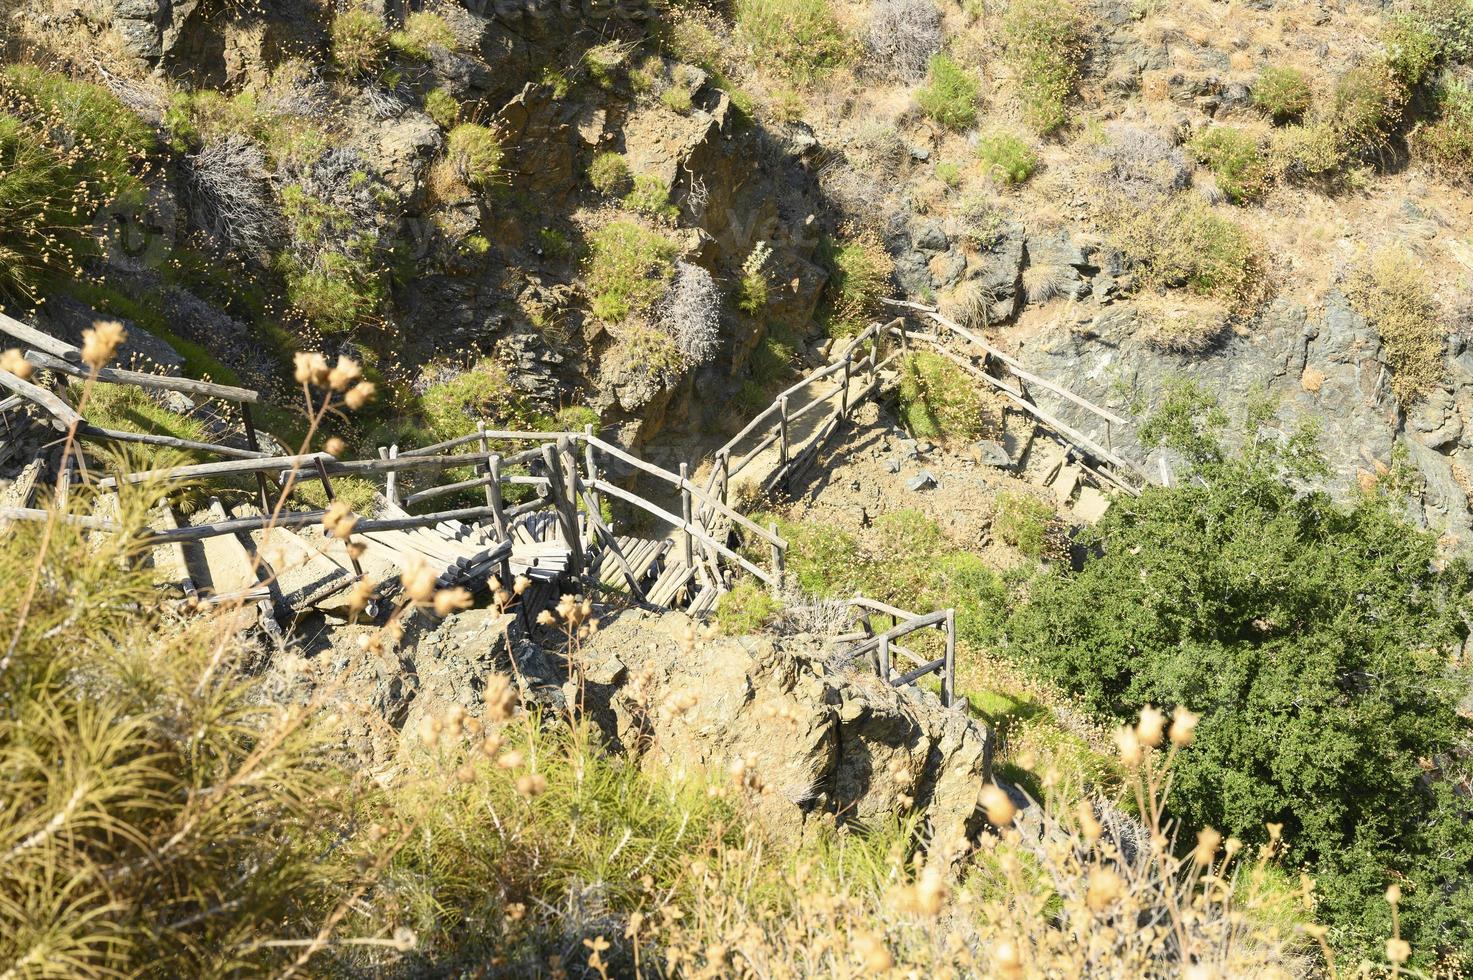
{"type": "Point", "coordinates": [452, 407]}
{"type": "Point", "coordinates": [1183, 242]}
{"type": "Point", "coordinates": [1366, 106]}
{"type": "Point", "coordinates": [475, 153]}
{"type": "Point", "coordinates": [554, 243]}
{"type": "Point", "coordinates": [333, 269]}
{"type": "Point", "coordinates": [937, 400]}
{"type": "Point", "coordinates": [442, 107]}
{"type": "Point", "coordinates": [1028, 523]}
{"type": "Point", "coordinates": [628, 270]}
{"type": "Point", "coordinates": [609, 174]}
{"type": "Point", "coordinates": [651, 195]}
{"type": "Point", "coordinates": [676, 99]}
{"type": "Point", "coordinates": [1393, 294]}
{"type": "Point", "coordinates": [1445, 145]}
{"type": "Point", "coordinates": [1283, 92]}
{"type": "Point", "coordinates": [1006, 159]}
{"type": "Point", "coordinates": [1044, 42]}
{"type": "Point", "coordinates": [799, 38]}
{"type": "Point", "coordinates": [860, 274]}
{"type": "Point", "coordinates": [423, 31]}
{"type": "Point", "coordinates": [359, 41]}
{"type": "Point", "coordinates": [949, 174]}
{"type": "Point", "coordinates": [1413, 48]}
{"type": "Point", "coordinates": [1313, 640]}
{"type": "Point", "coordinates": [749, 608]}
{"type": "Point", "coordinates": [66, 149]}
{"type": "Point", "coordinates": [1308, 152]}
{"type": "Point", "coordinates": [1238, 159]}
{"type": "Point", "coordinates": [950, 94]}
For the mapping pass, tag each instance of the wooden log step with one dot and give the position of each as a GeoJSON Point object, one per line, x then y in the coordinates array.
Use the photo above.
{"type": "Point", "coordinates": [671, 581]}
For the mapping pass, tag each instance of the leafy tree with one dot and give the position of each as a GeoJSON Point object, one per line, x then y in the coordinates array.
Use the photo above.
{"type": "Point", "coordinates": [1315, 641]}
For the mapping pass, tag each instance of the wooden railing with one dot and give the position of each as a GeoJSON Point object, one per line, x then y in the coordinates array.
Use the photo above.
{"type": "Point", "coordinates": [886, 646]}
{"type": "Point", "coordinates": [1018, 396]}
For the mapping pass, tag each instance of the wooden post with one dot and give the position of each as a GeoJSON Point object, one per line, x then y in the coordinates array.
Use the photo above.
{"type": "Point", "coordinates": [724, 461]}
{"type": "Point", "coordinates": [498, 513]}
{"type": "Point", "coordinates": [391, 478]}
{"type": "Point", "coordinates": [568, 467]}
{"type": "Point", "coordinates": [885, 657]}
{"type": "Point", "coordinates": [948, 679]}
{"type": "Point", "coordinates": [685, 538]}
{"type": "Point", "coordinates": [590, 469]}
{"type": "Point", "coordinates": [254, 446]}
{"type": "Point", "coordinates": [567, 517]}
{"type": "Point", "coordinates": [777, 562]}
{"type": "Point", "coordinates": [844, 397]}
{"type": "Point", "coordinates": [327, 491]}
{"type": "Point", "coordinates": [485, 445]}
{"type": "Point", "coordinates": [782, 431]}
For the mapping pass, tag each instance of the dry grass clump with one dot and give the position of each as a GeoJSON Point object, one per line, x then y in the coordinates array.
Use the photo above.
{"type": "Point", "coordinates": [901, 36]}
{"type": "Point", "coordinates": [1393, 294]}
{"type": "Point", "coordinates": [1179, 325]}
{"type": "Point", "coordinates": [1183, 242]}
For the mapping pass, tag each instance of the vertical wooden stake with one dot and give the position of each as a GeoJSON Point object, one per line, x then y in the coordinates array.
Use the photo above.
{"type": "Point", "coordinates": [724, 461]}
{"type": "Point", "coordinates": [485, 445]}
{"type": "Point", "coordinates": [590, 468]}
{"type": "Point", "coordinates": [885, 657]}
{"type": "Point", "coordinates": [685, 538]}
{"type": "Point", "coordinates": [777, 562]}
{"type": "Point", "coordinates": [391, 478]}
{"type": "Point", "coordinates": [327, 492]}
{"type": "Point", "coordinates": [948, 680]}
{"type": "Point", "coordinates": [782, 431]}
{"type": "Point", "coordinates": [493, 495]}
{"type": "Point", "coordinates": [255, 446]}
{"type": "Point", "coordinates": [844, 398]}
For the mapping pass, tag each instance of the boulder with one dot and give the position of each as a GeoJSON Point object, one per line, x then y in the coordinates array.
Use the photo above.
{"type": "Point", "coordinates": [807, 736]}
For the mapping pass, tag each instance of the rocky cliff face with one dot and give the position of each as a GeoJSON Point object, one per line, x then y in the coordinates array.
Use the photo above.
{"type": "Point", "coordinates": [809, 736]}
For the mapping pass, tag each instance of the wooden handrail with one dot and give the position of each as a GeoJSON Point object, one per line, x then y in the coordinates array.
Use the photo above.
{"type": "Point", "coordinates": [90, 431]}
{"type": "Point", "coordinates": [1007, 359]}
{"type": "Point", "coordinates": [695, 530]}
{"type": "Point", "coordinates": [38, 514]}
{"type": "Point", "coordinates": [504, 434]}
{"type": "Point", "coordinates": [179, 474]}
{"type": "Point", "coordinates": [63, 416]}
{"type": "Point", "coordinates": [142, 379]}
{"type": "Point", "coordinates": [31, 337]}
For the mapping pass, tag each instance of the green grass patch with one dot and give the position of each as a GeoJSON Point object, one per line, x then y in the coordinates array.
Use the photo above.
{"type": "Point", "coordinates": [937, 400]}
{"type": "Point", "coordinates": [1006, 159]}
{"type": "Point", "coordinates": [1394, 295]}
{"type": "Point", "coordinates": [1044, 42]}
{"type": "Point", "coordinates": [650, 195]}
{"type": "Point", "coordinates": [950, 94]}
{"type": "Point", "coordinates": [1283, 92]}
{"type": "Point", "coordinates": [1183, 242]}
{"type": "Point", "coordinates": [748, 608]}
{"type": "Point", "coordinates": [628, 269]}
{"type": "Point", "coordinates": [860, 274]}
{"type": "Point", "coordinates": [800, 39]}
{"type": "Point", "coordinates": [1238, 159]}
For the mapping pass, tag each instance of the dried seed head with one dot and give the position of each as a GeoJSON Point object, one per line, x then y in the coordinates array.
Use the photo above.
{"type": "Point", "coordinates": [15, 362]}
{"type": "Point", "coordinates": [997, 803]}
{"type": "Point", "coordinates": [931, 890]}
{"type": "Point", "coordinates": [1275, 831]}
{"type": "Point", "coordinates": [522, 584]}
{"type": "Point", "coordinates": [1150, 727]}
{"type": "Point", "coordinates": [510, 759]}
{"type": "Point", "coordinates": [359, 395]}
{"type": "Point", "coordinates": [429, 730]}
{"type": "Point", "coordinates": [452, 600]}
{"type": "Point", "coordinates": [1104, 889]}
{"type": "Point", "coordinates": [532, 784]}
{"type": "Point", "coordinates": [546, 618]}
{"type": "Point", "coordinates": [335, 446]}
{"type": "Point", "coordinates": [500, 697]}
{"type": "Point", "coordinates": [1208, 840]}
{"type": "Point", "coordinates": [1129, 744]}
{"type": "Point", "coordinates": [101, 342]}
{"type": "Point", "coordinates": [1398, 951]}
{"type": "Point", "coordinates": [360, 595]}
{"type": "Point", "coordinates": [1183, 727]}
{"type": "Point", "coordinates": [1393, 894]}
{"type": "Point", "coordinates": [419, 581]}
{"type": "Point", "coordinates": [873, 953]}
{"type": "Point", "coordinates": [310, 368]}
{"type": "Point", "coordinates": [1006, 959]}
{"type": "Point", "coordinates": [356, 550]}
{"type": "Point", "coordinates": [1089, 826]}
{"type": "Point", "coordinates": [344, 373]}
{"type": "Point", "coordinates": [466, 773]}
{"type": "Point", "coordinates": [491, 745]}
{"type": "Point", "coordinates": [339, 520]}
{"type": "Point", "coordinates": [1200, 971]}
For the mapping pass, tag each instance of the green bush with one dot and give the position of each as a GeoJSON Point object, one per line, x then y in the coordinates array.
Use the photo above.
{"type": "Point", "coordinates": [749, 608]}
{"type": "Point", "coordinates": [937, 400]}
{"type": "Point", "coordinates": [1006, 159]}
{"type": "Point", "coordinates": [1366, 106]}
{"type": "Point", "coordinates": [609, 174]}
{"type": "Point", "coordinates": [1413, 48]}
{"type": "Point", "coordinates": [333, 269]}
{"type": "Point", "coordinates": [1029, 524]}
{"type": "Point", "coordinates": [66, 149]}
{"type": "Point", "coordinates": [629, 268]}
{"type": "Point", "coordinates": [860, 274]}
{"type": "Point", "coordinates": [677, 99]}
{"type": "Point", "coordinates": [452, 407]}
{"type": "Point", "coordinates": [1393, 294]}
{"type": "Point", "coordinates": [1445, 145]}
{"type": "Point", "coordinates": [360, 41]}
{"type": "Point", "coordinates": [475, 153]}
{"type": "Point", "coordinates": [650, 195]}
{"type": "Point", "coordinates": [950, 94]}
{"type": "Point", "coordinates": [1311, 152]}
{"type": "Point", "coordinates": [423, 31]}
{"type": "Point", "coordinates": [799, 38]}
{"type": "Point", "coordinates": [1044, 42]}
{"type": "Point", "coordinates": [1283, 92]}
{"type": "Point", "coordinates": [1238, 159]}
{"type": "Point", "coordinates": [1314, 641]}
{"type": "Point", "coordinates": [1183, 242]}
{"type": "Point", "coordinates": [442, 107]}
